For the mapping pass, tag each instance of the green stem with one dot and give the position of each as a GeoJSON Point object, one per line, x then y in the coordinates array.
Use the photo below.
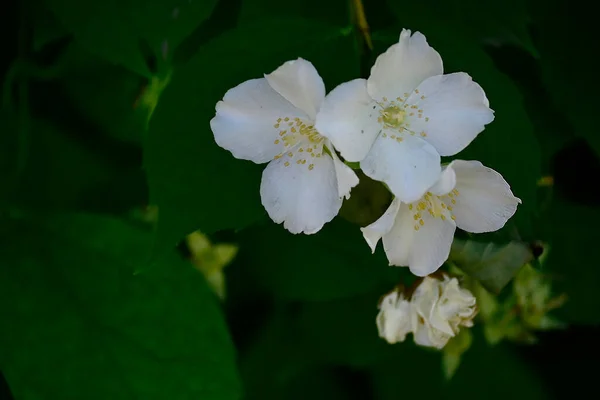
{"type": "Point", "coordinates": [353, 165]}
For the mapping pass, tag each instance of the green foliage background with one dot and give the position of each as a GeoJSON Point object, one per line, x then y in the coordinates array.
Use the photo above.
{"type": "Point", "coordinates": [106, 109]}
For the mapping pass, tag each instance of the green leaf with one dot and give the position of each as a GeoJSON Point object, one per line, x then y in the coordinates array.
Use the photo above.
{"type": "Point", "coordinates": [332, 264]}
{"type": "Point", "coordinates": [485, 372]}
{"type": "Point", "coordinates": [332, 11]}
{"type": "Point", "coordinates": [195, 183]}
{"type": "Point", "coordinates": [9, 153]}
{"type": "Point", "coordinates": [508, 144]}
{"type": "Point", "coordinates": [343, 331]}
{"type": "Point", "coordinates": [572, 262]}
{"type": "Point", "coordinates": [106, 95]}
{"type": "Point", "coordinates": [84, 324]}
{"type": "Point", "coordinates": [493, 265]}
{"type": "Point", "coordinates": [114, 29]}
{"type": "Point", "coordinates": [67, 172]}
{"type": "Point", "coordinates": [493, 22]}
{"type": "Point", "coordinates": [571, 85]}
{"type": "Point", "coordinates": [272, 359]}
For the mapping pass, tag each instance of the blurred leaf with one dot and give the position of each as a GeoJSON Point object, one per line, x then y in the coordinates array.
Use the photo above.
{"type": "Point", "coordinates": [508, 144]}
{"type": "Point", "coordinates": [63, 171]}
{"type": "Point", "coordinates": [334, 263]}
{"type": "Point", "coordinates": [343, 331]}
{"type": "Point", "coordinates": [493, 265]}
{"type": "Point", "coordinates": [571, 85]}
{"type": "Point", "coordinates": [283, 363]}
{"type": "Point", "coordinates": [83, 324]}
{"type": "Point", "coordinates": [453, 351]}
{"type": "Point", "coordinates": [572, 261]}
{"type": "Point", "coordinates": [195, 183]}
{"type": "Point", "coordinates": [105, 94]}
{"type": "Point", "coordinates": [485, 372]}
{"type": "Point", "coordinates": [331, 11]}
{"type": "Point", "coordinates": [8, 156]}
{"type": "Point", "coordinates": [114, 29]}
{"type": "Point", "coordinates": [46, 27]}
{"type": "Point", "coordinates": [319, 383]}
{"type": "Point", "coordinates": [273, 359]}
{"type": "Point", "coordinates": [494, 22]}
{"type": "Point", "coordinates": [368, 202]}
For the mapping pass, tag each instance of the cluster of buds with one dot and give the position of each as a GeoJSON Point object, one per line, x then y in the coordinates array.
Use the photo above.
{"type": "Point", "coordinates": [433, 310]}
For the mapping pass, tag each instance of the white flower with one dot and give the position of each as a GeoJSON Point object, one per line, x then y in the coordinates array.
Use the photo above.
{"type": "Point", "coordinates": [394, 319]}
{"type": "Point", "coordinates": [399, 121]}
{"type": "Point", "coordinates": [467, 195]}
{"type": "Point", "coordinates": [271, 120]}
{"type": "Point", "coordinates": [440, 308]}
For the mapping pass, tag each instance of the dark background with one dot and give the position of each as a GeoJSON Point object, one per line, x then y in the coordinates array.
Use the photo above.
{"type": "Point", "coordinates": [564, 33]}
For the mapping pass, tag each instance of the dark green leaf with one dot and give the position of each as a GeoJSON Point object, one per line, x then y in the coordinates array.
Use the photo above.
{"type": "Point", "coordinates": [114, 29]}
{"type": "Point", "coordinates": [196, 184]}
{"type": "Point", "coordinates": [572, 261]}
{"type": "Point", "coordinates": [493, 265]}
{"type": "Point", "coordinates": [107, 95]}
{"type": "Point", "coordinates": [334, 263]}
{"type": "Point", "coordinates": [332, 11]}
{"type": "Point", "coordinates": [88, 320]}
{"type": "Point", "coordinates": [9, 154]}
{"type": "Point", "coordinates": [485, 372]}
{"type": "Point", "coordinates": [568, 67]}
{"type": "Point", "coordinates": [492, 22]}
{"type": "Point", "coordinates": [67, 172]}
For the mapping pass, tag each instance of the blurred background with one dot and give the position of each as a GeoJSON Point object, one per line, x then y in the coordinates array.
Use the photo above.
{"type": "Point", "coordinates": [107, 161]}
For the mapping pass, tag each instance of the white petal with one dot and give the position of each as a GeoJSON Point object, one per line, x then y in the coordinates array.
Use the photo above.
{"type": "Point", "coordinates": [397, 243]}
{"type": "Point", "coordinates": [346, 177]}
{"type": "Point", "coordinates": [454, 111]}
{"type": "Point", "coordinates": [394, 320]}
{"type": "Point", "coordinates": [445, 183]}
{"type": "Point", "coordinates": [246, 118]}
{"type": "Point", "coordinates": [423, 248]}
{"type": "Point", "coordinates": [484, 202]}
{"type": "Point", "coordinates": [348, 117]}
{"type": "Point", "coordinates": [372, 233]}
{"type": "Point", "coordinates": [299, 82]}
{"type": "Point", "coordinates": [409, 167]}
{"type": "Point", "coordinates": [304, 200]}
{"type": "Point", "coordinates": [403, 67]}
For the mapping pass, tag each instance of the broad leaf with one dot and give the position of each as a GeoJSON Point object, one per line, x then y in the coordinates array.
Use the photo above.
{"type": "Point", "coordinates": [334, 263]}
{"type": "Point", "coordinates": [115, 30]}
{"type": "Point", "coordinates": [493, 265]}
{"type": "Point", "coordinates": [88, 318]}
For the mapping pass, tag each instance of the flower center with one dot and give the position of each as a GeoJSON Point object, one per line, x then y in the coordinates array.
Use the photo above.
{"type": "Point", "coordinates": [396, 115]}
{"type": "Point", "coordinates": [392, 116]}
{"type": "Point", "coordinates": [301, 142]}
{"type": "Point", "coordinates": [436, 206]}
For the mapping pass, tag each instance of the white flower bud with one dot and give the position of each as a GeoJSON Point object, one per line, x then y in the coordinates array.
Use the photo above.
{"type": "Point", "coordinates": [394, 318]}
{"type": "Point", "coordinates": [440, 308]}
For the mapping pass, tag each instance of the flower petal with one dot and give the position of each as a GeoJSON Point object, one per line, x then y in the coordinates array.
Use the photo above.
{"type": "Point", "coordinates": [299, 83]}
{"type": "Point", "coordinates": [423, 248]}
{"type": "Point", "coordinates": [409, 167]}
{"type": "Point", "coordinates": [403, 67]}
{"type": "Point", "coordinates": [348, 117]}
{"type": "Point", "coordinates": [246, 119]}
{"type": "Point", "coordinates": [372, 233]}
{"type": "Point", "coordinates": [394, 320]}
{"type": "Point", "coordinates": [302, 196]}
{"type": "Point", "coordinates": [451, 109]}
{"type": "Point", "coordinates": [346, 177]}
{"type": "Point", "coordinates": [484, 202]}
{"type": "Point", "coordinates": [445, 183]}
